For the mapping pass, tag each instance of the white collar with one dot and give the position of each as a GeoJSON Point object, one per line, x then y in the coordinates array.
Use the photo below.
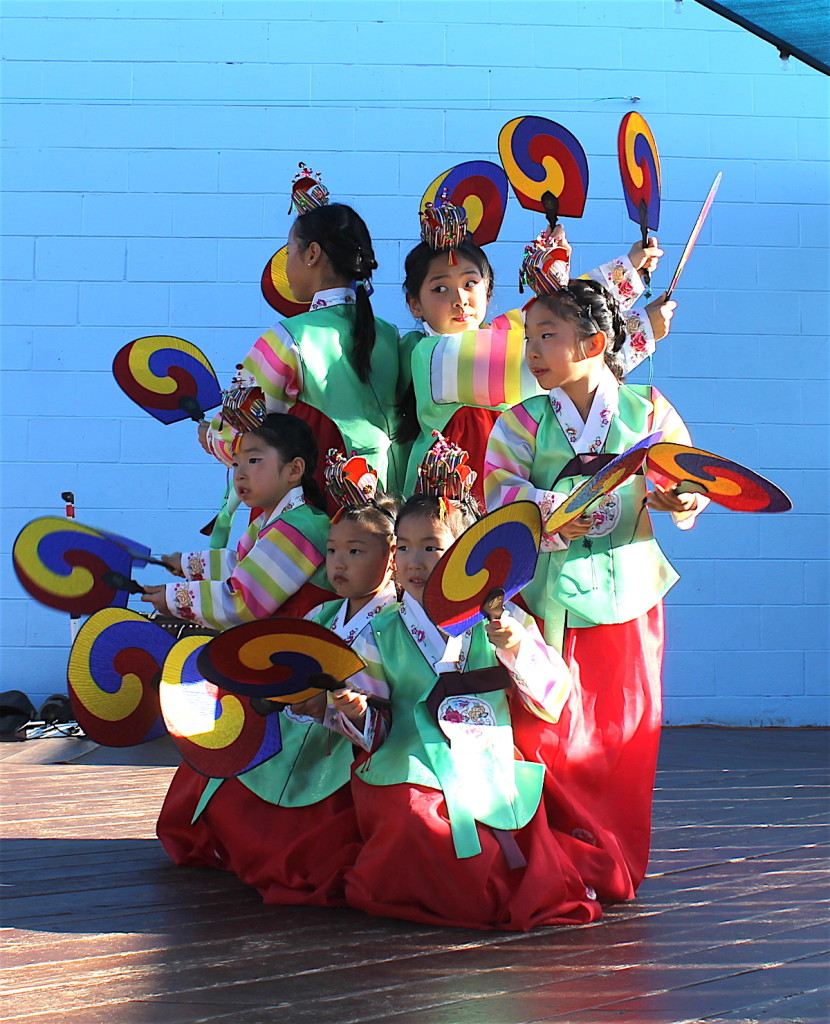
{"type": "Point", "coordinates": [443, 653]}
{"type": "Point", "coordinates": [588, 437]}
{"type": "Point", "coordinates": [349, 630]}
{"type": "Point", "coordinates": [333, 297]}
{"type": "Point", "coordinates": [293, 499]}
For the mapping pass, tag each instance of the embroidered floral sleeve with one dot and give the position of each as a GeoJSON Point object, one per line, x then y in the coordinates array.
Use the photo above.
{"type": "Point", "coordinates": [620, 278]}
{"type": "Point", "coordinates": [541, 676]}
{"type": "Point", "coordinates": [208, 565]}
{"type": "Point", "coordinates": [639, 339]}
{"type": "Point", "coordinates": [267, 573]}
{"type": "Point", "coordinates": [274, 365]}
{"type": "Point", "coordinates": [369, 680]}
{"type": "Point", "coordinates": [508, 465]}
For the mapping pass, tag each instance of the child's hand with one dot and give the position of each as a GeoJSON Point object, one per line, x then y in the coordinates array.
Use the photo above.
{"type": "Point", "coordinates": [662, 500]}
{"type": "Point", "coordinates": [557, 235]}
{"type": "Point", "coordinates": [645, 258]}
{"type": "Point", "coordinates": [173, 563]}
{"type": "Point", "coordinates": [352, 704]}
{"type": "Point", "coordinates": [314, 707]}
{"type": "Point", "coordinates": [576, 528]}
{"type": "Point", "coordinates": [203, 429]}
{"type": "Point", "coordinates": [156, 596]}
{"type": "Point", "coordinates": [660, 313]}
{"type": "Point", "coordinates": [503, 633]}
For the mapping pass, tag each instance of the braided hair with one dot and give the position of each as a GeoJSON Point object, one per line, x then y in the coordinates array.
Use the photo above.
{"type": "Point", "coordinates": [344, 238]}
{"type": "Point", "coordinates": [590, 307]}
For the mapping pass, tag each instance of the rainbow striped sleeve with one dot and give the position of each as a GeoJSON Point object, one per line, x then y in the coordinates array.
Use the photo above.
{"type": "Point", "coordinates": [482, 368]}
{"type": "Point", "coordinates": [509, 460]}
{"type": "Point", "coordinates": [275, 567]}
{"type": "Point", "coordinates": [273, 364]}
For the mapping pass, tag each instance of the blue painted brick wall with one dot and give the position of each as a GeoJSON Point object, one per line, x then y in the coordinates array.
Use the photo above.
{"type": "Point", "coordinates": [147, 157]}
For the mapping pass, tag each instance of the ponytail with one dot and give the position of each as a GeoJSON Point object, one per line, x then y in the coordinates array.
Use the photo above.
{"type": "Point", "coordinates": [344, 238]}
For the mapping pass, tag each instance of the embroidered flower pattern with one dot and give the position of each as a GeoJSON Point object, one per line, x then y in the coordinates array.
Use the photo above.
{"type": "Point", "coordinates": [184, 598]}
{"type": "Point", "coordinates": [571, 433]}
{"type": "Point", "coordinates": [196, 567]}
{"type": "Point", "coordinates": [596, 445]}
{"type": "Point", "coordinates": [556, 405]}
{"type": "Point", "coordinates": [418, 634]}
{"type": "Point", "coordinates": [605, 417]}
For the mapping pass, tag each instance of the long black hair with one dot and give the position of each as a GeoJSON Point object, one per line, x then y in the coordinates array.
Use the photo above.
{"type": "Point", "coordinates": [344, 238]}
{"type": "Point", "coordinates": [590, 307]}
{"type": "Point", "coordinates": [293, 438]}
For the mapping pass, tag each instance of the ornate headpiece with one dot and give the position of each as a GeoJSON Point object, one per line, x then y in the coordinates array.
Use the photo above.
{"type": "Point", "coordinates": [243, 405]}
{"type": "Point", "coordinates": [444, 472]}
{"type": "Point", "coordinates": [546, 265]}
{"type": "Point", "coordinates": [349, 482]}
{"type": "Point", "coordinates": [307, 191]}
{"type": "Point", "coordinates": [443, 226]}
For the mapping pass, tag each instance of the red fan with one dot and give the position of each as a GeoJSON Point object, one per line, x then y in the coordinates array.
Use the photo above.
{"type": "Point", "coordinates": [275, 287]}
{"type": "Point", "coordinates": [75, 568]}
{"type": "Point", "coordinates": [218, 733]}
{"type": "Point", "coordinates": [616, 472]}
{"type": "Point", "coordinates": [113, 675]}
{"type": "Point", "coordinates": [541, 156]}
{"type": "Point", "coordinates": [282, 659]}
{"type": "Point", "coordinates": [490, 562]}
{"type": "Point", "coordinates": [723, 481]}
{"type": "Point", "coordinates": [168, 377]}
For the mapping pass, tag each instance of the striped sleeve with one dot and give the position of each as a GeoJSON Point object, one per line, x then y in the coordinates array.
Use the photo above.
{"type": "Point", "coordinates": [276, 566]}
{"type": "Point", "coordinates": [507, 469]}
{"type": "Point", "coordinates": [482, 368]}
{"type": "Point", "coordinates": [274, 365]}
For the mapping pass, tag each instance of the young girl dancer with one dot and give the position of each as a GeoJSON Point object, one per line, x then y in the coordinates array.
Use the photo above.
{"type": "Point", "coordinates": [278, 563]}
{"type": "Point", "coordinates": [287, 827]}
{"type": "Point", "coordinates": [452, 827]}
{"type": "Point", "coordinates": [601, 579]}
{"type": "Point", "coordinates": [464, 375]}
{"type": "Point", "coordinates": [336, 366]}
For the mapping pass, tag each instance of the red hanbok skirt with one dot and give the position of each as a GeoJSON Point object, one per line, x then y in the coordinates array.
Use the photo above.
{"type": "Point", "coordinates": [601, 756]}
{"type": "Point", "coordinates": [291, 855]}
{"type": "Point", "coordinates": [407, 868]}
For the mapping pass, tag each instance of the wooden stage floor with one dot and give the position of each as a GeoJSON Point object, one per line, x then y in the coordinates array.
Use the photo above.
{"type": "Point", "coordinates": [730, 926]}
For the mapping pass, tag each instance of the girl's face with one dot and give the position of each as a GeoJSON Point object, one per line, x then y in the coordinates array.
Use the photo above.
{"type": "Point", "coordinates": [260, 477]}
{"type": "Point", "coordinates": [297, 271]}
{"type": "Point", "coordinates": [421, 541]}
{"type": "Point", "coordinates": [358, 561]}
{"type": "Point", "coordinates": [554, 352]}
{"type": "Point", "coordinates": [452, 298]}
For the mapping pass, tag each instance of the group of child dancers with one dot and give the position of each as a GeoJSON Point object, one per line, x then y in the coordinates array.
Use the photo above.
{"type": "Point", "coordinates": [504, 778]}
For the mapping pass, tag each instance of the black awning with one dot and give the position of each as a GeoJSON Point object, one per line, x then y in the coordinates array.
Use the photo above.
{"type": "Point", "coordinates": [798, 28]}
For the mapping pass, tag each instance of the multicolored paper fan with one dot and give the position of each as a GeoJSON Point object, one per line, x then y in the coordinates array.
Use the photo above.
{"type": "Point", "coordinates": [498, 552]}
{"type": "Point", "coordinates": [542, 156]}
{"type": "Point", "coordinates": [170, 378]}
{"type": "Point", "coordinates": [723, 481]}
{"type": "Point", "coordinates": [113, 676]}
{"type": "Point", "coordinates": [72, 567]}
{"type": "Point", "coordinates": [481, 188]}
{"type": "Point", "coordinates": [614, 473]}
{"type": "Point", "coordinates": [275, 287]}
{"type": "Point", "coordinates": [276, 658]}
{"type": "Point", "coordinates": [640, 171]}
{"type": "Point", "coordinates": [698, 227]}
{"type": "Point", "coordinates": [218, 733]}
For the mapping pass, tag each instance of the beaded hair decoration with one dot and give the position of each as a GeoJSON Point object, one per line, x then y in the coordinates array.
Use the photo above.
{"type": "Point", "coordinates": [546, 266]}
{"type": "Point", "coordinates": [307, 191]}
{"type": "Point", "coordinates": [444, 472]}
{"type": "Point", "coordinates": [444, 226]}
{"type": "Point", "coordinates": [350, 482]}
{"type": "Point", "coordinates": [243, 406]}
